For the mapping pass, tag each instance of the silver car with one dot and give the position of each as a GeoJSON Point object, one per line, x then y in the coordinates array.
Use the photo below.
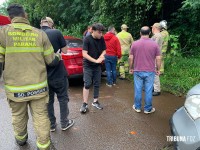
{"type": "Point", "coordinates": [185, 123]}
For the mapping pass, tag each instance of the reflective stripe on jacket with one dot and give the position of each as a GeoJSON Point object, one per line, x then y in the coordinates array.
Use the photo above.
{"type": "Point", "coordinates": [25, 51]}
{"type": "Point", "coordinates": [165, 36]}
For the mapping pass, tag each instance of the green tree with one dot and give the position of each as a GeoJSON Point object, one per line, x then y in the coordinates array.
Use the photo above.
{"type": "Point", "coordinates": [186, 25]}
{"type": "Point", "coordinates": [71, 15]}
{"type": "Point", "coordinates": [117, 12]}
{"type": "Point", "coordinates": [3, 7]}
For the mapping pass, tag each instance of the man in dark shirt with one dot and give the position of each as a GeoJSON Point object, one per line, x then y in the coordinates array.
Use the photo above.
{"type": "Point", "coordinates": [57, 77]}
{"type": "Point", "coordinates": [93, 54]}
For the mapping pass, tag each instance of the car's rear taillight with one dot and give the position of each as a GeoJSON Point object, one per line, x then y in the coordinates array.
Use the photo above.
{"type": "Point", "coordinates": [72, 57]}
{"type": "Point", "coordinates": [70, 54]}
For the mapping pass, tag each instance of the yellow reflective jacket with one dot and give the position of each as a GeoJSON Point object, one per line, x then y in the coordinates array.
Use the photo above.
{"type": "Point", "coordinates": [25, 51]}
{"type": "Point", "coordinates": [125, 40]}
{"type": "Point", "coordinates": [165, 36]}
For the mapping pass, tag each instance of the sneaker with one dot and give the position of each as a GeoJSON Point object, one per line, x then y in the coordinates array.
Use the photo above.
{"type": "Point", "coordinates": [114, 83]}
{"type": "Point", "coordinates": [109, 85]}
{"type": "Point", "coordinates": [150, 111]}
{"type": "Point", "coordinates": [137, 110]}
{"type": "Point", "coordinates": [70, 124]}
{"type": "Point", "coordinates": [97, 105]}
{"type": "Point", "coordinates": [23, 142]}
{"type": "Point", "coordinates": [53, 128]}
{"type": "Point", "coordinates": [84, 108]}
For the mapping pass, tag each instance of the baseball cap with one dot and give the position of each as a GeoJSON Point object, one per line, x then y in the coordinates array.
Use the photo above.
{"type": "Point", "coordinates": [157, 25]}
{"type": "Point", "coordinates": [124, 26]}
{"type": "Point", "coordinates": [47, 19]}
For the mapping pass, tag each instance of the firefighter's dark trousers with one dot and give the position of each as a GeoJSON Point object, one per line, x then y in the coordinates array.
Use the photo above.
{"type": "Point", "coordinates": [38, 110]}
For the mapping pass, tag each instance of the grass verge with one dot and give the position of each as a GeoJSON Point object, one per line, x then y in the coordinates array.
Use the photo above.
{"type": "Point", "coordinates": [180, 75]}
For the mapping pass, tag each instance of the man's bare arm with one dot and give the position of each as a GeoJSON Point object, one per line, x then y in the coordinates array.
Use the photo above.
{"type": "Point", "coordinates": [102, 57]}
{"type": "Point", "coordinates": [158, 62]}
{"type": "Point", "coordinates": [88, 57]}
{"type": "Point", "coordinates": [64, 49]}
{"type": "Point", "coordinates": [130, 61]}
{"type": "Point", "coordinates": [131, 64]}
{"type": "Point", "coordinates": [102, 54]}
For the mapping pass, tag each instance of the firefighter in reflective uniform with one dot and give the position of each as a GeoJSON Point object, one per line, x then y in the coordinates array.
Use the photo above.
{"type": "Point", "coordinates": [126, 41]}
{"type": "Point", "coordinates": [165, 36]}
{"type": "Point", "coordinates": [157, 37]}
{"type": "Point", "coordinates": [25, 51]}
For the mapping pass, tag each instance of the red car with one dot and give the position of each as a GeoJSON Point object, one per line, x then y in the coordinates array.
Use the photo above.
{"type": "Point", "coordinates": [4, 20]}
{"type": "Point", "coordinates": [73, 60]}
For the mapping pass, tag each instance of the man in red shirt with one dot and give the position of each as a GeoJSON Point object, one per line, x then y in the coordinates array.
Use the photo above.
{"type": "Point", "coordinates": [113, 52]}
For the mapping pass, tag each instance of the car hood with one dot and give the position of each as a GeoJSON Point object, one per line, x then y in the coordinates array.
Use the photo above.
{"type": "Point", "coordinates": [194, 90]}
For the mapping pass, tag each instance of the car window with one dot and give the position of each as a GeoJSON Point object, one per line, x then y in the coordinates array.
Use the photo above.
{"type": "Point", "coordinates": [74, 43]}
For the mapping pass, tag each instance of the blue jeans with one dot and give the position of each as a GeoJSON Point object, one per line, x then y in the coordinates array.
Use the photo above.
{"type": "Point", "coordinates": [145, 79]}
{"type": "Point", "coordinates": [110, 63]}
{"type": "Point", "coordinates": [60, 87]}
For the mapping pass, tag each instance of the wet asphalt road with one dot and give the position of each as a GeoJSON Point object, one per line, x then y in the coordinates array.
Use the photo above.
{"type": "Point", "coordinates": [116, 127]}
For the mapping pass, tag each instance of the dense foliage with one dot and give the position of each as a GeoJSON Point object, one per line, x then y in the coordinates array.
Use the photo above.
{"type": "Point", "coordinates": [181, 75]}
{"type": "Point", "coordinates": [186, 24]}
{"type": "Point", "coordinates": [73, 16]}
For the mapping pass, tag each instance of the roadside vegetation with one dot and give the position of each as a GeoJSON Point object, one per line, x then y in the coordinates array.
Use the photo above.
{"type": "Point", "coordinates": [180, 75]}
{"type": "Point", "coordinates": [182, 62]}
